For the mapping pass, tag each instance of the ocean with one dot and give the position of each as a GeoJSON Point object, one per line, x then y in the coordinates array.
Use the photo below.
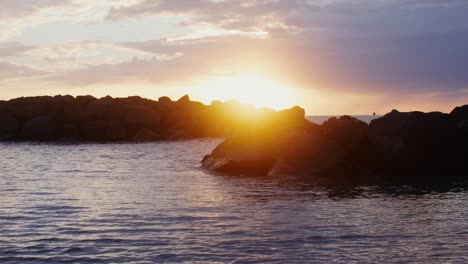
{"type": "Point", "coordinates": [151, 203]}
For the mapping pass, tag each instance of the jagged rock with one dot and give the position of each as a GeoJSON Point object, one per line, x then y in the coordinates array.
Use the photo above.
{"type": "Point", "coordinates": [84, 99]}
{"type": "Point", "coordinates": [414, 146]}
{"type": "Point", "coordinates": [184, 100]}
{"type": "Point", "coordinates": [460, 112]}
{"type": "Point", "coordinates": [39, 128]}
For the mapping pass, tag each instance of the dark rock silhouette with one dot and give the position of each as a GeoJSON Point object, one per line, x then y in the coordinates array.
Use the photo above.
{"type": "Point", "coordinates": [39, 128]}
{"type": "Point", "coordinates": [8, 126]}
{"type": "Point", "coordinates": [412, 146]}
{"type": "Point", "coordinates": [135, 119]}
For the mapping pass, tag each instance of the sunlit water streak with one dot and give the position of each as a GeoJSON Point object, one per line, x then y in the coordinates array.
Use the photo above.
{"type": "Point", "coordinates": [144, 203]}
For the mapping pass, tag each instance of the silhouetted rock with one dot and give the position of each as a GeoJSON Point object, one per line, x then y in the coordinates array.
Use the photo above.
{"type": "Point", "coordinates": [460, 112]}
{"type": "Point", "coordinates": [184, 100]}
{"type": "Point", "coordinates": [142, 116]}
{"type": "Point", "coordinates": [408, 147]}
{"type": "Point", "coordinates": [243, 154]}
{"type": "Point", "coordinates": [116, 131]}
{"type": "Point", "coordinates": [39, 128]}
{"type": "Point", "coordinates": [121, 119]}
{"type": "Point", "coordinates": [166, 103]}
{"type": "Point", "coordinates": [417, 143]}
{"type": "Point", "coordinates": [146, 135]}
{"type": "Point", "coordinates": [94, 130]}
{"type": "Point", "coordinates": [8, 126]}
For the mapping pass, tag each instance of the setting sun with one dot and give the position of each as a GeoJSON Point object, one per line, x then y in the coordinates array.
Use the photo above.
{"type": "Point", "coordinates": [248, 88]}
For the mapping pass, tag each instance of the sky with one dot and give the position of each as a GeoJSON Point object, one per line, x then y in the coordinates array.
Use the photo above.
{"type": "Point", "coordinates": [328, 56]}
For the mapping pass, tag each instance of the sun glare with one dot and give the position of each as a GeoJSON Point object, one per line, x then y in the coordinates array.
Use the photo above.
{"type": "Point", "coordinates": [250, 89]}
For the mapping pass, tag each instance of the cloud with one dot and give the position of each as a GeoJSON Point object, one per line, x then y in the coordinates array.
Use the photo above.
{"type": "Point", "coordinates": [14, 9]}
{"type": "Point", "coordinates": [242, 15]}
{"type": "Point", "coordinates": [12, 49]}
{"type": "Point", "coordinates": [10, 70]}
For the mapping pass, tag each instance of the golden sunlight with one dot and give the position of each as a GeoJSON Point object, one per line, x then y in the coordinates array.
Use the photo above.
{"type": "Point", "coordinates": [249, 89]}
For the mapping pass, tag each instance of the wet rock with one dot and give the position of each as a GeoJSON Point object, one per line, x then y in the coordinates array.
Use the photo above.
{"type": "Point", "coordinates": [243, 154]}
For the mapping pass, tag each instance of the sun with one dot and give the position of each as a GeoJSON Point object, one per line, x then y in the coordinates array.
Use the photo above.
{"type": "Point", "coordinates": [247, 88]}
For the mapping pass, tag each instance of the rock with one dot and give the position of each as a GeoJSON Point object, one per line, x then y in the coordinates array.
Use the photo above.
{"type": "Point", "coordinates": [99, 109]}
{"type": "Point", "coordinates": [94, 130]}
{"type": "Point", "coordinates": [419, 144]}
{"type": "Point", "coordinates": [116, 131]}
{"type": "Point", "coordinates": [166, 103]}
{"type": "Point", "coordinates": [348, 132]}
{"type": "Point", "coordinates": [312, 155]}
{"type": "Point", "coordinates": [39, 128]}
{"type": "Point", "coordinates": [75, 112]}
{"type": "Point", "coordinates": [184, 100]}
{"type": "Point", "coordinates": [143, 117]}
{"type": "Point", "coordinates": [243, 154]}
{"type": "Point", "coordinates": [9, 126]}
{"type": "Point", "coordinates": [460, 112]}
{"type": "Point", "coordinates": [26, 111]}
{"type": "Point", "coordinates": [146, 135]}
{"type": "Point", "coordinates": [342, 150]}
{"type": "Point", "coordinates": [84, 100]}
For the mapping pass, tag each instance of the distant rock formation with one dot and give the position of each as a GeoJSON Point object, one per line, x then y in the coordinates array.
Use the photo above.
{"type": "Point", "coordinates": [411, 146]}
{"type": "Point", "coordinates": [132, 119]}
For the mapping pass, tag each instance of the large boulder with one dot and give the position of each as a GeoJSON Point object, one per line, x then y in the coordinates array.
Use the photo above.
{"type": "Point", "coordinates": [116, 131]}
{"type": "Point", "coordinates": [460, 112]}
{"type": "Point", "coordinates": [146, 135]}
{"type": "Point", "coordinates": [419, 144]}
{"type": "Point", "coordinates": [39, 128]}
{"type": "Point", "coordinates": [99, 109]}
{"type": "Point", "coordinates": [75, 112]}
{"type": "Point", "coordinates": [141, 116]}
{"type": "Point", "coordinates": [166, 104]}
{"type": "Point", "coordinates": [9, 126]}
{"type": "Point", "coordinates": [244, 154]}
{"type": "Point", "coordinates": [94, 130]}
{"type": "Point", "coordinates": [342, 149]}
{"type": "Point", "coordinates": [24, 111]}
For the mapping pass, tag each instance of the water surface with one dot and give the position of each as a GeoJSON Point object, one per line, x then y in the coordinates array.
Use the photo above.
{"type": "Point", "coordinates": [143, 203]}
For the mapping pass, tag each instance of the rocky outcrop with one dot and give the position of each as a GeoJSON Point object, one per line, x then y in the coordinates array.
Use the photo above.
{"type": "Point", "coordinates": [8, 126]}
{"type": "Point", "coordinates": [412, 146]}
{"type": "Point", "coordinates": [134, 119]}
{"type": "Point", "coordinates": [39, 128]}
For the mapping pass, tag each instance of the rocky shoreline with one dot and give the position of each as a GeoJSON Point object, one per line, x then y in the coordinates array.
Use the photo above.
{"type": "Point", "coordinates": [131, 119]}
{"type": "Point", "coordinates": [398, 147]}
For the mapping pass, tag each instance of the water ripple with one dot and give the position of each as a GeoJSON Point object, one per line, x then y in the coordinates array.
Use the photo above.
{"type": "Point", "coordinates": [150, 203]}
